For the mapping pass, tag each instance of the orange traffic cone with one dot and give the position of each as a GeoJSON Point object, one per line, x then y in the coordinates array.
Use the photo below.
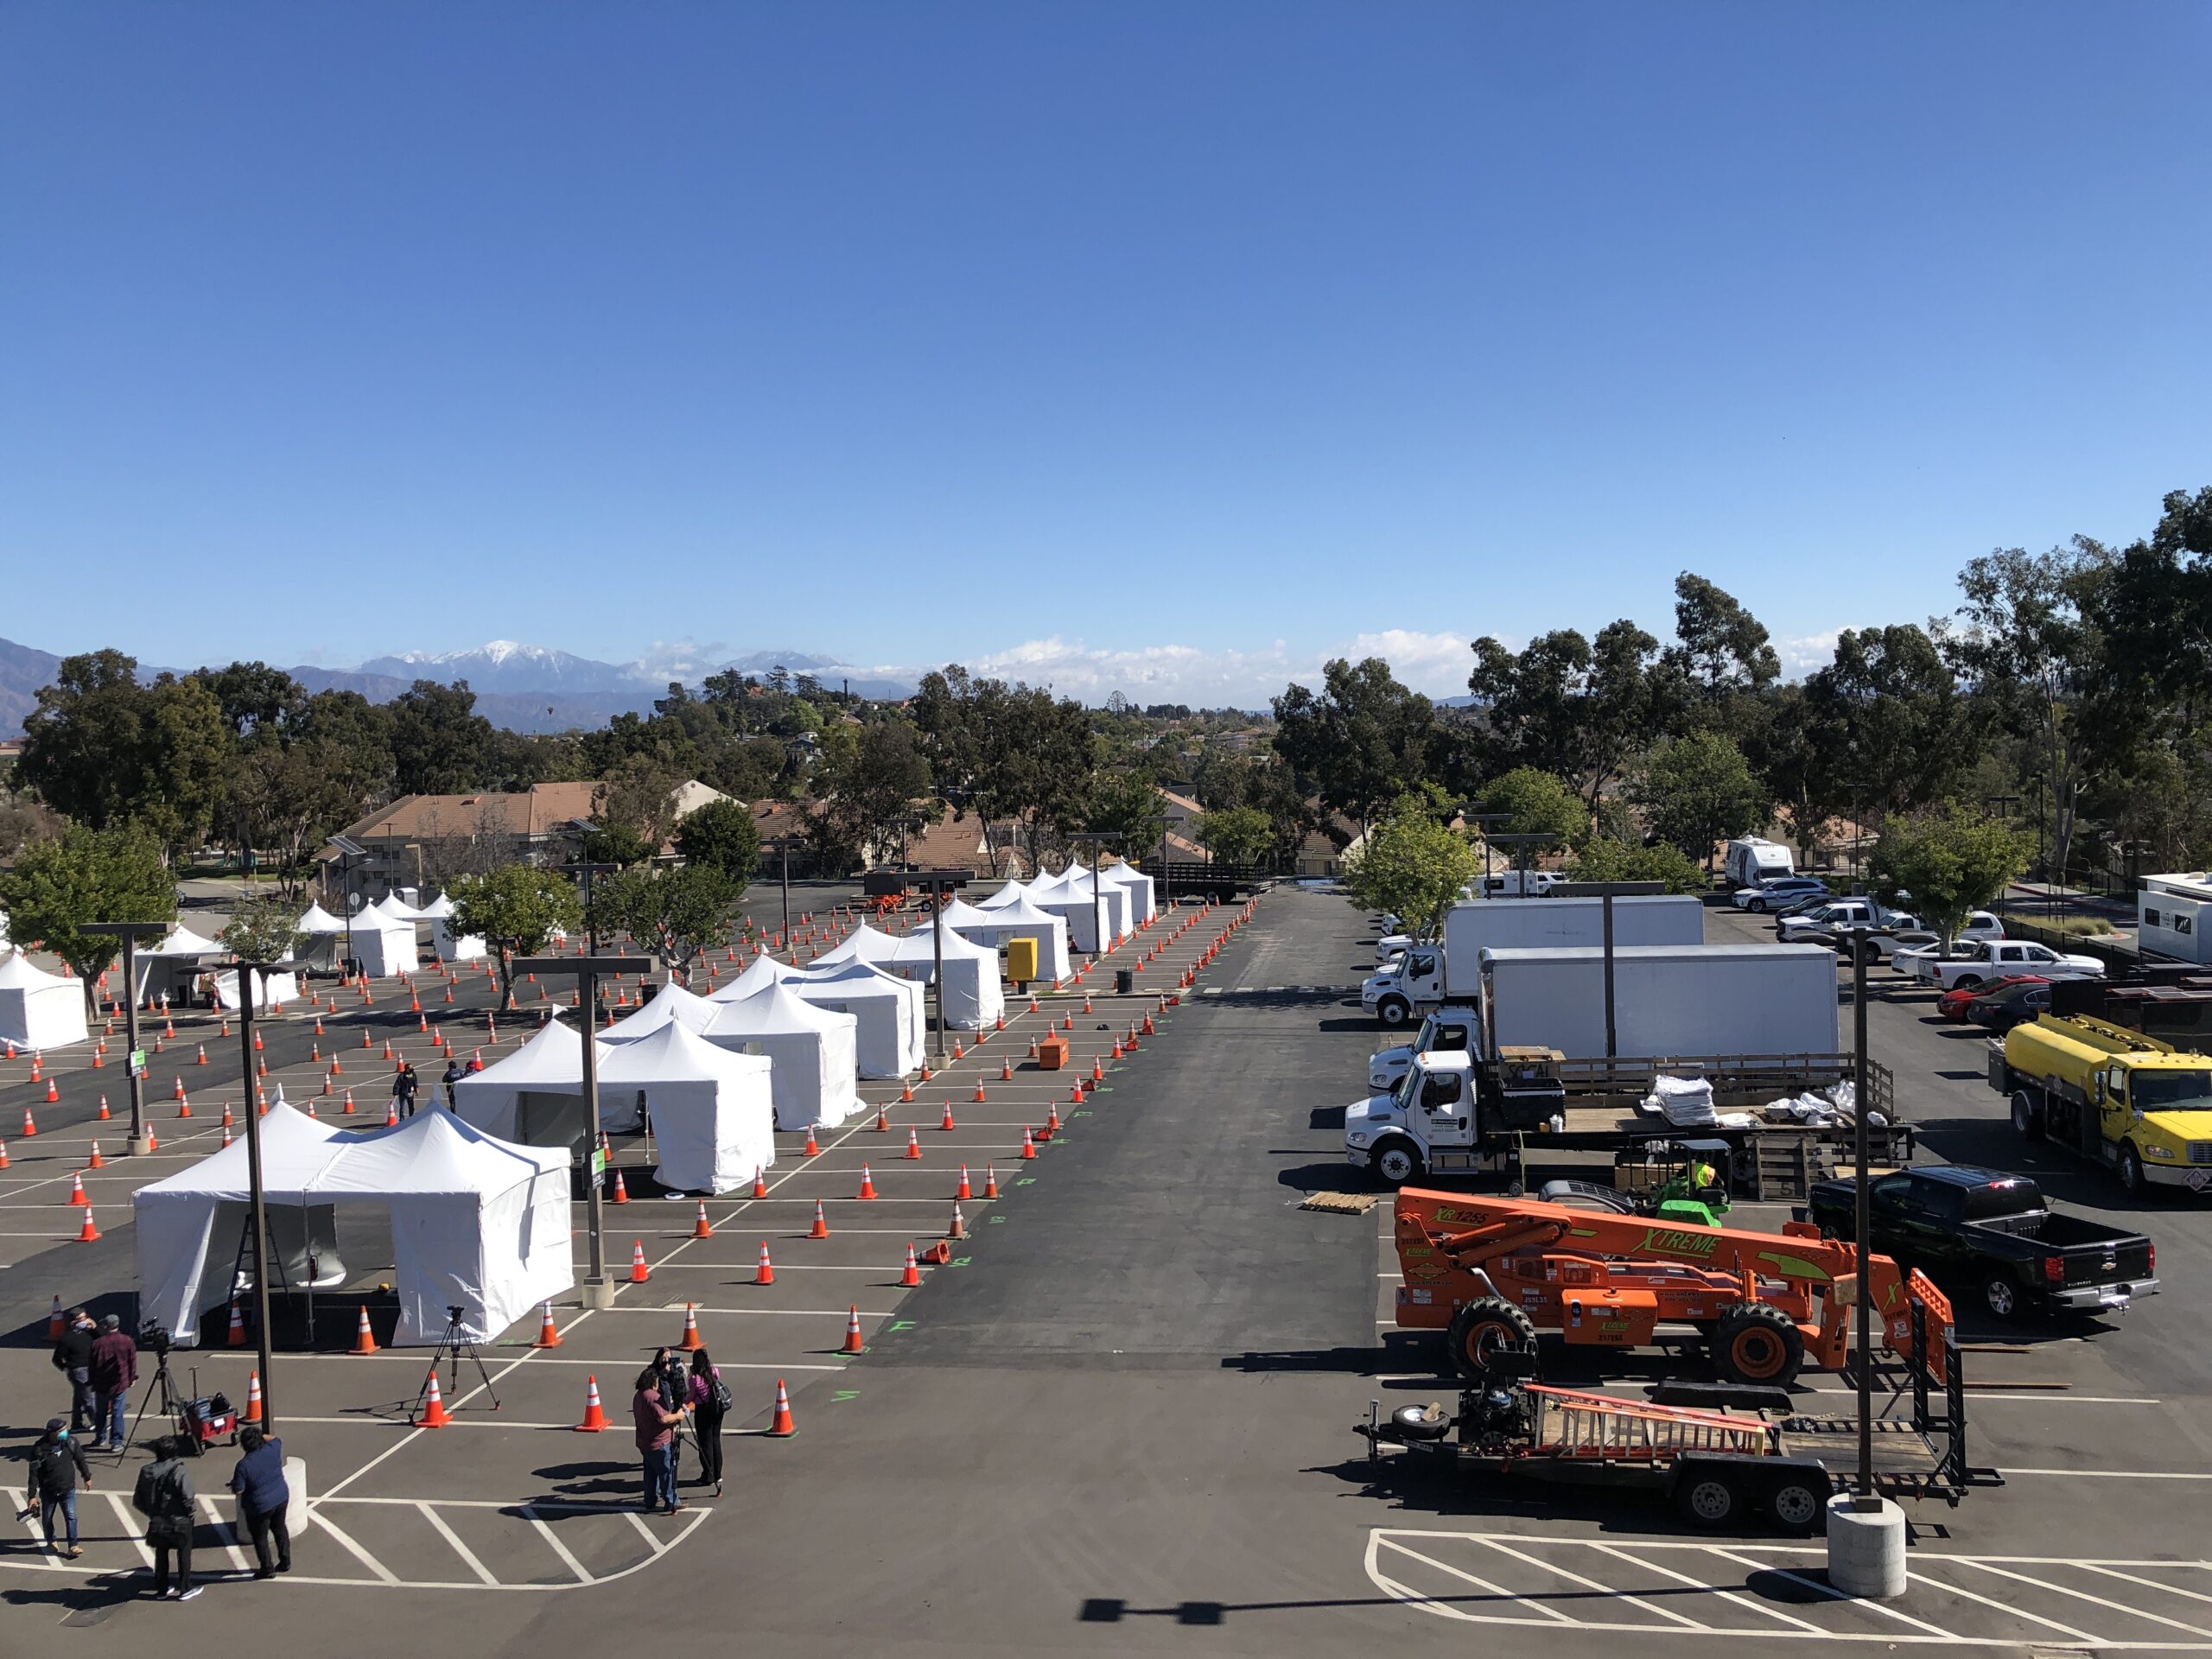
{"type": "Point", "coordinates": [183, 1106]}
{"type": "Point", "coordinates": [349, 1106]}
{"type": "Point", "coordinates": [54, 1326]}
{"type": "Point", "coordinates": [548, 1336]}
{"type": "Point", "coordinates": [237, 1337]}
{"type": "Point", "coordinates": [1006, 1073]}
{"type": "Point", "coordinates": [202, 1060]}
{"type": "Point", "coordinates": [76, 1191]}
{"type": "Point", "coordinates": [434, 1415]}
{"type": "Point", "coordinates": [945, 1122]}
{"type": "Point", "coordinates": [991, 1182]}
{"type": "Point", "coordinates": [867, 1185]}
{"type": "Point", "coordinates": [364, 1341]}
{"type": "Point", "coordinates": [959, 1228]}
{"type": "Point", "coordinates": [782, 1429]}
{"type": "Point", "coordinates": [1051, 1123]}
{"type": "Point", "coordinates": [765, 1273]}
{"type": "Point", "coordinates": [638, 1271]}
{"type": "Point", "coordinates": [811, 1149]}
{"type": "Point", "coordinates": [390, 1111]}
{"type": "Point", "coordinates": [252, 1398]}
{"type": "Point", "coordinates": [691, 1344]}
{"type": "Point", "coordinates": [906, 1091]}
{"type": "Point", "coordinates": [853, 1344]}
{"type": "Point", "coordinates": [104, 1111]}
{"type": "Point", "coordinates": [94, 1162]}
{"type": "Point", "coordinates": [963, 1190]}
{"type": "Point", "coordinates": [1028, 1142]}
{"type": "Point", "coordinates": [54, 1094]}
{"type": "Point", "coordinates": [4, 1153]}
{"type": "Point", "coordinates": [882, 1121]}
{"type": "Point", "coordinates": [913, 1146]}
{"type": "Point", "coordinates": [821, 1228]}
{"type": "Point", "coordinates": [30, 1127]}
{"type": "Point", "coordinates": [88, 1234]}
{"type": "Point", "coordinates": [621, 1192]}
{"type": "Point", "coordinates": [701, 1229]}
{"type": "Point", "coordinates": [595, 1414]}
{"type": "Point", "coordinates": [1097, 1071]}
{"type": "Point", "coordinates": [759, 1182]}
{"type": "Point", "coordinates": [979, 1091]}
{"type": "Point", "coordinates": [913, 1273]}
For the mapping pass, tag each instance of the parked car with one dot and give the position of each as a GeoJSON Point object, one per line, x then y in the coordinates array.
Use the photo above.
{"type": "Point", "coordinates": [1777, 893]}
{"type": "Point", "coordinates": [1952, 1005]}
{"type": "Point", "coordinates": [1993, 959]}
{"type": "Point", "coordinates": [1999, 1011]}
{"type": "Point", "coordinates": [1992, 1234]}
{"type": "Point", "coordinates": [1838, 914]}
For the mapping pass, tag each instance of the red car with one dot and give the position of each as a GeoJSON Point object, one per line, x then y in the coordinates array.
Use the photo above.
{"type": "Point", "coordinates": [1952, 1005]}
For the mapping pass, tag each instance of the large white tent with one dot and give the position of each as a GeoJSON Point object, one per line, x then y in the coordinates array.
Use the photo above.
{"type": "Point", "coordinates": [670, 1003]}
{"type": "Point", "coordinates": [383, 945]}
{"type": "Point", "coordinates": [168, 967]}
{"type": "Point", "coordinates": [1144, 904]}
{"type": "Point", "coordinates": [449, 945]}
{"type": "Point", "coordinates": [477, 1222]}
{"type": "Point", "coordinates": [397, 908]}
{"type": "Point", "coordinates": [863, 944]}
{"type": "Point", "coordinates": [890, 1011]}
{"type": "Point", "coordinates": [269, 990]}
{"type": "Point", "coordinates": [326, 936]}
{"type": "Point", "coordinates": [1071, 901]}
{"type": "Point", "coordinates": [757, 975]}
{"type": "Point", "coordinates": [713, 1111]}
{"type": "Point", "coordinates": [814, 1051]}
{"type": "Point", "coordinates": [39, 1009]}
{"type": "Point", "coordinates": [1013, 893]}
{"type": "Point", "coordinates": [1023, 920]}
{"type": "Point", "coordinates": [973, 997]}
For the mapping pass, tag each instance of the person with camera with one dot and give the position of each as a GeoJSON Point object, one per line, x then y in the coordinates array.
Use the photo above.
{"type": "Point", "coordinates": [166, 1498]}
{"type": "Point", "coordinates": [262, 1493]}
{"type": "Point", "coordinates": [710, 1404]}
{"type": "Point", "coordinates": [656, 1423]}
{"type": "Point", "coordinates": [73, 1358]}
{"type": "Point", "coordinates": [57, 1466]}
{"type": "Point", "coordinates": [113, 1368]}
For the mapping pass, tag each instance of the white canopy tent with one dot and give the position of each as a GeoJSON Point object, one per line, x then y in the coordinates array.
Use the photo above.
{"type": "Point", "coordinates": [1144, 904]}
{"type": "Point", "coordinates": [326, 936]}
{"type": "Point", "coordinates": [1012, 893]}
{"type": "Point", "coordinates": [814, 1051]}
{"type": "Point", "coordinates": [1023, 920]}
{"type": "Point", "coordinates": [670, 1003]}
{"type": "Point", "coordinates": [713, 1111]}
{"type": "Point", "coordinates": [477, 1222]}
{"type": "Point", "coordinates": [756, 976]}
{"type": "Point", "coordinates": [397, 908]}
{"type": "Point", "coordinates": [890, 1011]}
{"type": "Point", "coordinates": [534, 1095]}
{"type": "Point", "coordinates": [383, 945]}
{"type": "Point", "coordinates": [863, 944]}
{"type": "Point", "coordinates": [959, 913]}
{"type": "Point", "coordinates": [449, 945]}
{"type": "Point", "coordinates": [168, 967]}
{"type": "Point", "coordinates": [39, 1009]}
{"type": "Point", "coordinates": [269, 989]}
{"type": "Point", "coordinates": [1071, 903]}
{"type": "Point", "coordinates": [973, 997]}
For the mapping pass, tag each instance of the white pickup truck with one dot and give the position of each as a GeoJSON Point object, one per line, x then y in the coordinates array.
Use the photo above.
{"type": "Point", "coordinates": [1970, 965]}
{"type": "Point", "coordinates": [1840, 912]}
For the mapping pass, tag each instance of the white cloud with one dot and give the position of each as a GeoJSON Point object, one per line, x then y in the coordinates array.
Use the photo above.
{"type": "Point", "coordinates": [1434, 663]}
{"type": "Point", "coordinates": [1807, 652]}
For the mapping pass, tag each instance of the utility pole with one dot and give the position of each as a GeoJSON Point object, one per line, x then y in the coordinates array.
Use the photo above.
{"type": "Point", "coordinates": [1863, 1221]}
{"type": "Point", "coordinates": [596, 1289]}
{"type": "Point", "coordinates": [256, 1199]}
{"type": "Point", "coordinates": [130, 934]}
{"type": "Point", "coordinates": [585, 871]}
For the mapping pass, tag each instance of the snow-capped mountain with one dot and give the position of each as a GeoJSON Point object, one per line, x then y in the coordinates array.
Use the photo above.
{"type": "Point", "coordinates": [504, 666]}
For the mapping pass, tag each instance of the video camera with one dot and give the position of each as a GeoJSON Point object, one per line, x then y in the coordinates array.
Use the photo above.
{"type": "Point", "coordinates": [155, 1336]}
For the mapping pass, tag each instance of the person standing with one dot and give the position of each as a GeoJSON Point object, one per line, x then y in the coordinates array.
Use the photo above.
{"type": "Point", "coordinates": [73, 1358]}
{"type": "Point", "coordinates": [657, 1427]}
{"type": "Point", "coordinates": [453, 1074]}
{"type": "Point", "coordinates": [710, 1404]}
{"type": "Point", "coordinates": [57, 1467]}
{"type": "Point", "coordinates": [165, 1496]}
{"type": "Point", "coordinates": [262, 1493]}
{"type": "Point", "coordinates": [114, 1368]}
{"type": "Point", "coordinates": [402, 1090]}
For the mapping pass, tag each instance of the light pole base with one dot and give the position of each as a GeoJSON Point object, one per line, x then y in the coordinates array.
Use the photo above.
{"type": "Point", "coordinates": [600, 1293]}
{"type": "Point", "coordinates": [1866, 1549]}
{"type": "Point", "coordinates": [142, 1145]}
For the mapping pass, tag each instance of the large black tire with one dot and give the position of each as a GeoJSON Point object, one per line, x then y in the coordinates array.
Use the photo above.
{"type": "Point", "coordinates": [1395, 1012]}
{"type": "Point", "coordinates": [1757, 1344]}
{"type": "Point", "coordinates": [2131, 1180]}
{"type": "Point", "coordinates": [1966, 982]}
{"type": "Point", "coordinates": [1756, 906]}
{"type": "Point", "coordinates": [1476, 1327]}
{"type": "Point", "coordinates": [1710, 1498]}
{"type": "Point", "coordinates": [2027, 1115]}
{"type": "Point", "coordinates": [1396, 1161]}
{"type": "Point", "coordinates": [2000, 1294]}
{"type": "Point", "coordinates": [1795, 1502]}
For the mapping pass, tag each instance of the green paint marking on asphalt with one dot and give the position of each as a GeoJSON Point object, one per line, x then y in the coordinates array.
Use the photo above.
{"type": "Point", "coordinates": [1026, 1181]}
{"type": "Point", "coordinates": [994, 1220]}
{"type": "Point", "coordinates": [1079, 1114]}
{"type": "Point", "coordinates": [959, 1261]}
{"type": "Point", "coordinates": [901, 1325]}
{"type": "Point", "coordinates": [843, 1394]}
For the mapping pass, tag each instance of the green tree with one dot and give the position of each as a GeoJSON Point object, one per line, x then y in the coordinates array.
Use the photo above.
{"type": "Point", "coordinates": [515, 910]}
{"type": "Point", "coordinates": [1238, 834]}
{"type": "Point", "coordinates": [86, 875]}
{"type": "Point", "coordinates": [1606, 858]}
{"type": "Point", "coordinates": [261, 931]}
{"type": "Point", "coordinates": [1125, 804]}
{"type": "Point", "coordinates": [1581, 710]}
{"type": "Point", "coordinates": [638, 795]}
{"type": "Point", "coordinates": [440, 744]}
{"type": "Point", "coordinates": [1723, 648]}
{"type": "Point", "coordinates": [617, 843]}
{"type": "Point", "coordinates": [1409, 864]}
{"type": "Point", "coordinates": [1005, 753]}
{"type": "Point", "coordinates": [1361, 742]}
{"type": "Point", "coordinates": [1951, 860]}
{"type": "Point", "coordinates": [1539, 802]}
{"type": "Point", "coordinates": [866, 777]}
{"type": "Point", "coordinates": [1908, 735]}
{"type": "Point", "coordinates": [723, 836]}
{"type": "Point", "coordinates": [679, 913]}
{"type": "Point", "coordinates": [1699, 790]}
{"type": "Point", "coordinates": [105, 750]}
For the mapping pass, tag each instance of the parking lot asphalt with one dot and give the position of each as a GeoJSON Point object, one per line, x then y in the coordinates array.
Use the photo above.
{"type": "Point", "coordinates": [1117, 1420]}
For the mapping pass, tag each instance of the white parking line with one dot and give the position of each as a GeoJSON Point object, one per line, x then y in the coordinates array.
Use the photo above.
{"type": "Point", "coordinates": [133, 1527]}
{"type": "Point", "coordinates": [2080, 1595]}
{"type": "Point", "coordinates": [1591, 1583]}
{"type": "Point", "coordinates": [466, 1554]}
{"type": "Point", "coordinates": [1483, 1584]}
{"type": "Point", "coordinates": [1829, 1591]}
{"type": "Point", "coordinates": [1726, 1595]}
{"type": "Point", "coordinates": [559, 1549]}
{"type": "Point", "coordinates": [384, 1574]}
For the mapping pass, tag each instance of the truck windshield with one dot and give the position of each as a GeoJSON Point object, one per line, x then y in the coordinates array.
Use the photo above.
{"type": "Point", "coordinates": [2165, 1091]}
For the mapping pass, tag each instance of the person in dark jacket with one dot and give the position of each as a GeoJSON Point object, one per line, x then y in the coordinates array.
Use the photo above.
{"type": "Point", "coordinates": [402, 1090]}
{"type": "Point", "coordinates": [262, 1493]}
{"type": "Point", "coordinates": [58, 1466]}
{"type": "Point", "coordinates": [73, 1358]}
{"type": "Point", "coordinates": [114, 1368]}
{"type": "Point", "coordinates": [707, 1414]}
{"type": "Point", "coordinates": [169, 1510]}
{"type": "Point", "coordinates": [453, 1074]}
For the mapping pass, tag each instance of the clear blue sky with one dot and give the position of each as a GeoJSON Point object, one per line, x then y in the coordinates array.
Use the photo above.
{"type": "Point", "coordinates": [1249, 329]}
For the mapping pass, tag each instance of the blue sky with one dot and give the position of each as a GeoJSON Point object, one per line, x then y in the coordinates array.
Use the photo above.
{"type": "Point", "coordinates": [1169, 347]}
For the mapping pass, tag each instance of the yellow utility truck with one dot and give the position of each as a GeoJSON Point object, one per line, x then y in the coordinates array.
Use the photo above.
{"type": "Point", "coordinates": [2138, 1106]}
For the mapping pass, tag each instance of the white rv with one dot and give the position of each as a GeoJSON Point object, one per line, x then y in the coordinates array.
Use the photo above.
{"type": "Point", "coordinates": [1753, 858]}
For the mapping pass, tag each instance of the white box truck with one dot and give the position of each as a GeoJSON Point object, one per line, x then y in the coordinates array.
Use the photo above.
{"type": "Point", "coordinates": [1427, 972]}
{"type": "Point", "coordinates": [1668, 1001]}
{"type": "Point", "coordinates": [1753, 858]}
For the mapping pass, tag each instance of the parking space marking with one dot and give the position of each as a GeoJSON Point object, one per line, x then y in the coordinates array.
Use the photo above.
{"type": "Point", "coordinates": [224, 1531]}
{"type": "Point", "coordinates": [1591, 1583]}
{"type": "Point", "coordinates": [645, 1531]}
{"type": "Point", "coordinates": [1483, 1584]}
{"type": "Point", "coordinates": [468, 1555]}
{"type": "Point", "coordinates": [345, 1541]}
{"type": "Point", "coordinates": [559, 1549]}
{"type": "Point", "coordinates": [1738, 1599]}
{"type": "Point", "coordinates": [133, 1527]}
{"type": "Point", "coordinates": [2079, 1595]}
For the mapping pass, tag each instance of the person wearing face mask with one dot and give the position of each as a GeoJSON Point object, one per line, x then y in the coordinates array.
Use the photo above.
{"type": "Point", "coordinates": [58, 1468]}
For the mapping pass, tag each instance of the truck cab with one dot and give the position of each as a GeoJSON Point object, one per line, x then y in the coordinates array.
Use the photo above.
{"type": "Point", "coordinates": [1413, 979]}
{"type": "Point", "coordinates": [2130, 1102]}
{"type": "Point", "coordinates": [1398, 1134]}
{"type": "Point", "coordinates": [1452, 1027]}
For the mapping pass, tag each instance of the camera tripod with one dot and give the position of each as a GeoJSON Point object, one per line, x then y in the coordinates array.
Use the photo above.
{"type": "Point", "coordinates": [162, 1384]}
{"type": "Point", "coordinates": [454, 1345]}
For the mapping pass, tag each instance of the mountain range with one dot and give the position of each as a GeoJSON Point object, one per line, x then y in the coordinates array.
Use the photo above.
{"type": "Point", "coordinates": [523, 688]}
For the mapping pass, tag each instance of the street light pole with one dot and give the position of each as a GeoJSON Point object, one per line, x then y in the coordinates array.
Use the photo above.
{"type": "Point", "coordinates": [596, 1290]}
{"type": "Point", "coordinates": [783, 846]}
{"type": "Point", "coordinates": [1863, 1222]}
{"type": "Point", "coordinates": [130, 933]}
{"type": "Point", "coordinates": [256, 1199]}
{"type": "Point", "coordinates": [591, 923]}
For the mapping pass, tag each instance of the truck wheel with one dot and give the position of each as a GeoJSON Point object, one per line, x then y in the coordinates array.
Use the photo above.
{"type": "Point", "coordinates": [1477, 1328]}
{"type": "Point", "coordinates": [2027, 1116]}
{"type": "Point", "coordinates": [2131, 1173]}
{"type": "Point", "coordinates": [1966, 982]}
{"type": "Point", "coordinates": [1709, 1499]}
{"type": "Point", "coordinates": [1396, 1162]}
{"type": "Point", "coordinates": [1794, 1504]}
{"type": "Point", "coordinates": [1757, 1344]}
{"type": "Point", "coordinates": [2001, 1296]}
{"type": "Point", "coordinates": [1394, 1012]}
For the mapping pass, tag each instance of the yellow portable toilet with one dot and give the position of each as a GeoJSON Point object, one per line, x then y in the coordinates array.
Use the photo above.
{"type": "Point", "coordinates": [1021, 960]}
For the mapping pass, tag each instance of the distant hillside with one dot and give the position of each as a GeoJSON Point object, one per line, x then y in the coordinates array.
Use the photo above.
{"type": "Point", "coordinates": [22, 671]}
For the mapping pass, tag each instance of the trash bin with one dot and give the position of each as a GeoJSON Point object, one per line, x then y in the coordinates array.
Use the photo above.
{"type": "Point", "coordinates": [1125, 981]}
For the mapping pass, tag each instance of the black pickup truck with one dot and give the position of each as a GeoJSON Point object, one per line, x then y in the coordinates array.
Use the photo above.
{"type": "Point", "coordinates": [1994, 1235]}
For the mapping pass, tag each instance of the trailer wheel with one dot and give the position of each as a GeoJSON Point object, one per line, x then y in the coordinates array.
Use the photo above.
{"type": "Point", "coordinates": [1395, 1162]}
{"type": "Point", "coordinates": [1759, 1343]}
{"type": "Point", "coordinates": [2027, 1116]}
{"type": "Point", "coordinates": [1794, 1504]}
{"type": "Point", "coordinates": [1709, 1498]}
{"type": "Point", "coordinates": [1477, 1328]}
{"type": "Point", "coordinates": [1394, 1012]}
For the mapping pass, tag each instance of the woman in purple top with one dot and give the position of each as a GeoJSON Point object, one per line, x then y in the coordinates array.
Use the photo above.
{"type": "Point", "coordinates": [709, 1405]}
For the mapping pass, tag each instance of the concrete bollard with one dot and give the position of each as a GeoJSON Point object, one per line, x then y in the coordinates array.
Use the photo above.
{"type": "Point", "coordinates": [1867, 1548]}
{"type": "Point", "coordinates": [297, 1518]}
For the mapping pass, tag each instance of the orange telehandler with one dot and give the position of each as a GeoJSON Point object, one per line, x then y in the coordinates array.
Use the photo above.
{"type": "Point", "coordinates": [1490, 1270]}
